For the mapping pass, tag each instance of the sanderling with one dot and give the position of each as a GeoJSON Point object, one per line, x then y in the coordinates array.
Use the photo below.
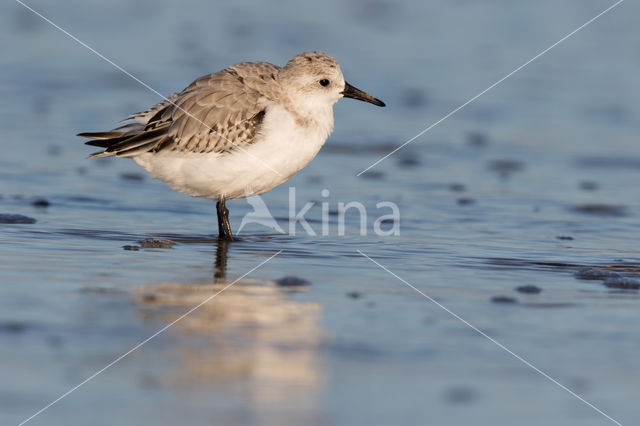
{"type": "Point", "coordinates": [237, 132]}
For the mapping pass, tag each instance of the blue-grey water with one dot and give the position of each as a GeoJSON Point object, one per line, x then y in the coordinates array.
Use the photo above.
{"type": "Point", "coordinates": [532, 184]}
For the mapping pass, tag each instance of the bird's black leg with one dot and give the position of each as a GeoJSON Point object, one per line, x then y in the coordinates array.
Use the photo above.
{"type": "Point", "coordinates": [224, 228]}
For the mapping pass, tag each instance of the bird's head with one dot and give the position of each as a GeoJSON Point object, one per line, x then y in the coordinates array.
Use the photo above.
{"type": "Point", "coordinates": [314, 80]}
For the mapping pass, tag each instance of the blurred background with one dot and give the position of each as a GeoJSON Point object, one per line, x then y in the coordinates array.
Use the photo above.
{"type": "Point", "coordinates": [534, 184]}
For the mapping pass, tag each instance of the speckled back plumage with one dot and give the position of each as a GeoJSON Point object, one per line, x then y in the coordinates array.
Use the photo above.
{"type": "Point", "coordinates": [216, 113]}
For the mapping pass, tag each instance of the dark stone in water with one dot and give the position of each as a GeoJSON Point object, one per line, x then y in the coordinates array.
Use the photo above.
{"type": "Point", "coordinates": [564, 237]}
{"type": "Point", "coordinates": [138, 177]}
{"type": "Point", "coordinates": [40, 202]}
{"type": "Point", "coordinates": [529, 289]}
{"type": "Point", "coordinates": [623, 283]}
{"type": "Point", "coordinates": [503, 299]}
{"type": "Point", "coordinates": [409, 162]}
{"type": "Point", "coordinates": [457, 187]}
{"type": "Point", "coordinates": [477, 139]}
{"type": "Point", "coordinates": [156, 243]}
{"type": "Point", "coordinates": [13, 327]}
{"type": "Point", "coordinates": [131, 248]}
{"type": "Point", "coordinates": [354, 294]}
{"type": "Point", "coordinates": [506, 165]}
{"type": "Point", "coordinates": [373, 175]}
{"type": "Point", "coordinates": [595, 274]}
{"type": "Point", "coordinates": [465, 201]}
{"type": "Point", "coordinates": [601, 209]}
{"type": "Point", "coordinates": [16, 218]}
{"type": "Point", "coordinates": [588, 186]}
{"type": "Point", "coordinates": [291, 281]}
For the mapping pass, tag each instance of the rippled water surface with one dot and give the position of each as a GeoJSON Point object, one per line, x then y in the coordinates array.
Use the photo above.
{"type": "Point", "coordinates": [519, 216]}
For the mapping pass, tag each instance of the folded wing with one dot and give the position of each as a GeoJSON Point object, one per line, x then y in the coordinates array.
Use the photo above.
{"type": "Point", "coordinates": [217, 113]}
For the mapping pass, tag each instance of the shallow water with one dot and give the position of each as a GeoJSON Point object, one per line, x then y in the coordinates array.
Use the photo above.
{"type": "Point", "coordinates": [533, 184]}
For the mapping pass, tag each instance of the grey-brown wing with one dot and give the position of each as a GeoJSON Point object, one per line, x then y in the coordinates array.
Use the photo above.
{"type": "Point", "coordinates": [143, 117]}
{"type": "Point", "coordinates": [218, 113]}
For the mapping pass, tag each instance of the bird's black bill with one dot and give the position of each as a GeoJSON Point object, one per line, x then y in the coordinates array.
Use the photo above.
{"type": "Point", "coordinates": [353, 93]}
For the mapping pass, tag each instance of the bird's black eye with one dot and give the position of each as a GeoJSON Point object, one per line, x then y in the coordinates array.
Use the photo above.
{"type": "Point", "coordinates": [324, 82]}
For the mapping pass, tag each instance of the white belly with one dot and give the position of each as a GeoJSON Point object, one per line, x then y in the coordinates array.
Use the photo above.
{"type": "Point", "coordinates": [282, 148]}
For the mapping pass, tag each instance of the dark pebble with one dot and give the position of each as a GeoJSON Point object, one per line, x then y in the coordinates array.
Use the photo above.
{"type": "Point", "coordinates": [292, 281]}
{"type": "Point", "coordinates": [601, 209]}
{"type": "Point", "coordinates": [457, 187]}
{"type": "Point", "coordinates": [16, 218]}
{"type": "Point", "coordinates": [503, 299]}
{"type": "Point", "coordinates": [131, 248]}
{"type": "Point", "coordinates": [409, 162]}
{"type": "Point", "coordinates": [564, 238]}
{"type": "Point", "coordinates": [588, 186]}
{"type": "Point", "coordinates": [465, 201]}
{"type": "Point", "coordinates": [13, 327]}
{"type": "Point", "coordinates": [506, 167]}
{"type": "Point", "coordinates": [156, 243]}
{"type": "Point", "coordinates": [623, 283]}
{"type": "Point", "coordinates": [477, 139]}
{"type": "Point", "coordinates": [40, 202]}
{"type": "Point", "coordinates": [373, 175]}
{"type": "Point", "coordinates": [528, 289]}
{"type": "Point", "coordinates": [354, 294]}
{"type": "Point", "coordinates": [137, 177]}
{"type": "Point", "coordinates": [595, 274]}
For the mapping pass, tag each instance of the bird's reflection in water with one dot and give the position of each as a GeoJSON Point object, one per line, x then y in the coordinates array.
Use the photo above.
{"type": "Point", "coordinates": [252, 345]}
{"type": "Point", "coordinates": [222, 250]}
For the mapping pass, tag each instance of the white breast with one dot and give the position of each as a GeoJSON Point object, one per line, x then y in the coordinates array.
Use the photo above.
{"type": "Point", "coordinates": [283, 147]}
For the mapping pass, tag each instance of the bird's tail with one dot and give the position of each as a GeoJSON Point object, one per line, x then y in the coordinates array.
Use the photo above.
{"type": "Point", "coordinates": [126, 141]}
